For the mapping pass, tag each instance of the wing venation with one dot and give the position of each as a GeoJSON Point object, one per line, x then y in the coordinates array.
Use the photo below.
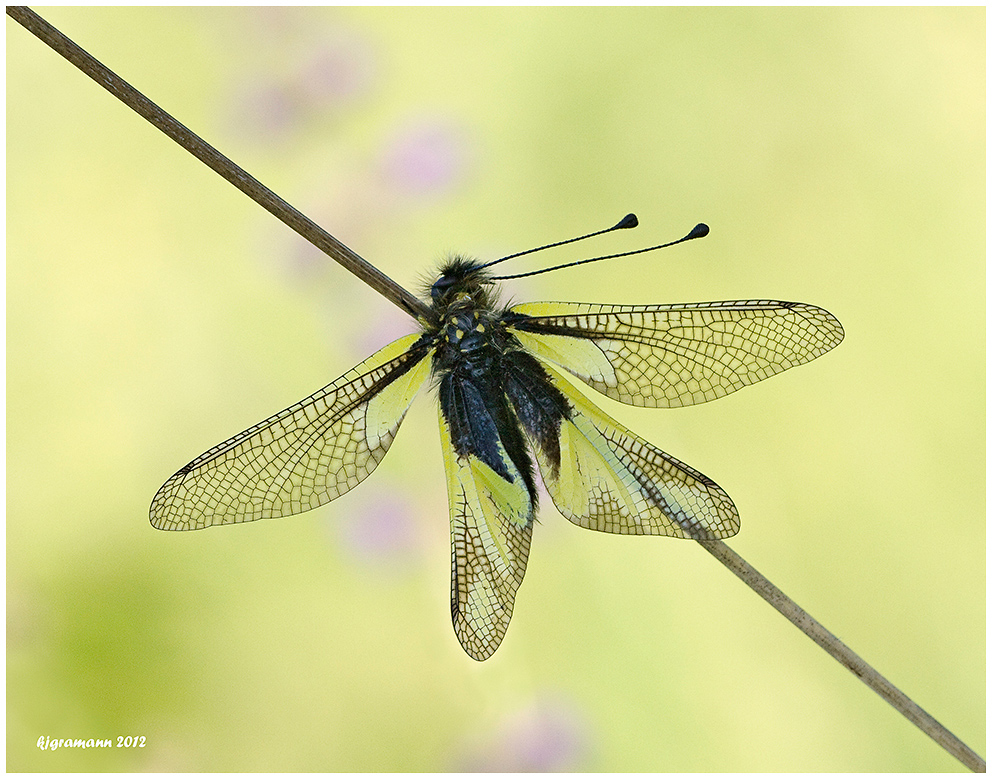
{"type": "Point", "coordinates": [611, 480]}
{"type": "Point", "coordinates": [491, 524]}
{"type": "Point", "coordinates": [679, 354]}
{"type": "Point", "coordinates": [304, 456]}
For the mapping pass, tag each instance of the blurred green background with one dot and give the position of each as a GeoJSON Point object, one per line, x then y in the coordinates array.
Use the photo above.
{"type": "Point", "coordinates": [152, 311]}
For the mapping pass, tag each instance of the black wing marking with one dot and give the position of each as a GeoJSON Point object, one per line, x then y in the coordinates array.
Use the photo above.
{"type": "Point", "coordinates": [304, 456]}
{"type": "Point", "coordinates": [679, 354]}
{"type": "Point", "coordinates": [491, 523]}
{"type": "Point", "coordinates": [605, 478]}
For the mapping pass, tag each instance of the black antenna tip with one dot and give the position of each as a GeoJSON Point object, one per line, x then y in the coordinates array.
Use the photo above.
{"type": "Point", "coordinates": [699, 231]}
{"type": "Point", "coordinates": [626, 223]}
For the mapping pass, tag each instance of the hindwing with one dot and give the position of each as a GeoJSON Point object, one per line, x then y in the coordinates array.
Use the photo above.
{"type": "Point", "coordinates": [304, 456]}
{"type": "Point", "coordinates": [491, 522]}
{"type": "Point", "coordinates": [675, 355]}
{"type": "Point", "coordinates": [603, 477]}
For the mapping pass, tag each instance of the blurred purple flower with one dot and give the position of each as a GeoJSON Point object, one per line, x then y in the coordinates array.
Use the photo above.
{"type": "Point", "coordinates": [267, 109]}
{"type": "Point", "coordinates": [327, 80]}
{"type": "Point", "coordinates": [550, 735]}
{"type": "Point", "coordinates": [382, 530]}
{"type": "Point", "coordinates": [338, 72]}
{"type": "Point", "coordinates": [425, 157]}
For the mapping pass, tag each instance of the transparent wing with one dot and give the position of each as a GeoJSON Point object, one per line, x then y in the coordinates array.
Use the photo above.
{"type": "Point", "coordinates": [491, 524]}
{"type": "Point", "coordinates": [304, 456]}
{"type": "Point", "coordinates": [611, 480]}
{"type": "Point", "coordinates": [679, 354]}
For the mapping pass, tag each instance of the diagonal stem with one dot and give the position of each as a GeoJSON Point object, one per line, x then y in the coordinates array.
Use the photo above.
{"type": "Point", "coordinates": [208, 155]}
{"type": "Point", "coordinates": [416, 308]}
{"type": "Point", "coordinates": [843, 654]}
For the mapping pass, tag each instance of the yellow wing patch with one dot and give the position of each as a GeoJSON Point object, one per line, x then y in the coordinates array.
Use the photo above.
{"type": "Point", "coordinates": [611, 480]}
{"type": "Point", "coordinates": [302, 457]}
{"type": "Point", "coordinates": [680, 354]}
{"type": "Point", "coordinates": [491, 524]}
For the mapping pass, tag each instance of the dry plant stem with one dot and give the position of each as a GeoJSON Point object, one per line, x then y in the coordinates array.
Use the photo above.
{"type": "Point", "coordinates": [416, 308]}
{"type": "Point", "coordinates": [207, 154]}
{"type": "Point", "coordinates": [843, 654]}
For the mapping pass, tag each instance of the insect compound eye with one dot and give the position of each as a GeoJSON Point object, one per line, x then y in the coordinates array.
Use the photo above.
{"type": "Point", "coordinates": [438, 287]}
{"type": "Point", "coordinates": [442, 286]}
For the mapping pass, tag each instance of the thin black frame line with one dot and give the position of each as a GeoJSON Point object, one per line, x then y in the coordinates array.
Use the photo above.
{"type": "Point", "coordinates": [418, 309]}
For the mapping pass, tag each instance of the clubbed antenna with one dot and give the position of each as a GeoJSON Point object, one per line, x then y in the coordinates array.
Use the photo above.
{"type": "Point", "coordinates": [624, 224]}
{"type": "Point", "coordinates": [698, 231]}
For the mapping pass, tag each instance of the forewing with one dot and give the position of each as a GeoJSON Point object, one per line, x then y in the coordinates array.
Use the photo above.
{"type": "Point", "coordinates": [304, 456]}
{"type": "Point", "coordinates": [675, 355]}
{"type": "Point", "coordinates": [611, 480]}
{"type": "Point", "coordinates": [491, 524]}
